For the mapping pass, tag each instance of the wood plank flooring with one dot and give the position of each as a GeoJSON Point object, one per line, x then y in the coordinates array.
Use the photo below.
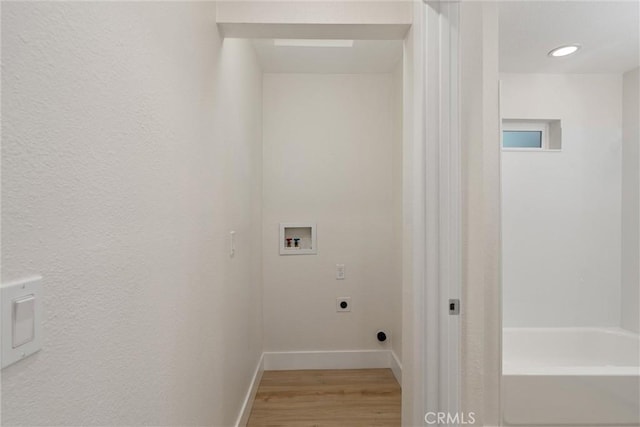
{"type": "Point", "coordinates": [327, 398]}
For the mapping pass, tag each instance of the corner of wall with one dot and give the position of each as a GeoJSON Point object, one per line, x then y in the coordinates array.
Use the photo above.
{"type": "Point", "coordinates": [247, 404]}
{"type": "Point", "coordinates": [630, 295]}
{"type": "Point", "coordinates": [150, 160]}
{"type": "Point", "coordinates": [481, 319]}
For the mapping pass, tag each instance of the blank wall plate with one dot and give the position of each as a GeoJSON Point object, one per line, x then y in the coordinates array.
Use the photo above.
{"type": "Point", "coordinates": [21, 319]}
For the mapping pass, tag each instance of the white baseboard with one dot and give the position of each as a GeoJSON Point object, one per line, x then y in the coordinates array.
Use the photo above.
{"type": "Point", "coordinates": [396, 367]}
{"type": "Point", "coordinates": [351, 359]}
{"type": "Point", "coordinates": [245, 410]}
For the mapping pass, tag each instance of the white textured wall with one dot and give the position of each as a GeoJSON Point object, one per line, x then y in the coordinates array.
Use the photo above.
{"type": "Point", "coordinates": [328, 158]}
{"type": "Point", "coordinates": [480, 136]}
{"type": "Point", "coordinates": [630, 201]}
{"type": "Point", "coordinates": [397, 208]}
{"type": "Point", "coordinates": [561, 211]}
{"type": "Point", "coordinates": [367, 12]}
{"type": "Point", "coordinates": [411, 366]}
{"type": "Point", "coordinates": [131, 145]}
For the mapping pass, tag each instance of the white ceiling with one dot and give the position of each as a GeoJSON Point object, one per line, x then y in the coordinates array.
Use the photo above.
{"type": "Point", "coordinates": [608, 32]}
{"type": "Point", "coordinates": [366, 56]}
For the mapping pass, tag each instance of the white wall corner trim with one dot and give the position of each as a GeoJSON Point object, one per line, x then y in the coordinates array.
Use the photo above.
{"type": "Point", "coordinates": [396, 367]}
{"type": "Point", "coordinates": [350, 359]}
{"type": "Point", "coordinates": [247, 404]}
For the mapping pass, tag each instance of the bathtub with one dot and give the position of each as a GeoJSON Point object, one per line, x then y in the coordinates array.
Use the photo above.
{"type": "Point", "coordinates": [570, 376]}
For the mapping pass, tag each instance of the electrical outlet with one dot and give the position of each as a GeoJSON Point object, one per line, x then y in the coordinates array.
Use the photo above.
{"type": "Point", "coordinates": [343, 304]}
{"type": "Point", "coordinates": [383, 336]}
{"type": "Point", "coordinates": [339, 271]}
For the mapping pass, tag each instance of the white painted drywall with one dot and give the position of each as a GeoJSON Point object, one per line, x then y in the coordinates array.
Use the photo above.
{"type": "Point", "coordinates": [630, 317]}
{"type": "Point", "coordinates": [131, 146]}
{"type": "Point", "coordinates": [328, 158]}
{"type": "Point", "coordinates": [411, 365]}
{"type": "Point", "coordinates": [365, 56]}
{"type": "Point", "coordinates": [479, 135]}
{"type": "Point", "coordinates": [366, 12]}
{"type": "Point", "coordinates": [561, 211]}
{"type": "Point", "coordinates": [341, 19]}
{"type": "Point", "coordinates": [397, 211]}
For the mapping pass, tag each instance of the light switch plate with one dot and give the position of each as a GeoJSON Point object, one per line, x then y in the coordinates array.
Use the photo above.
{"type": "Point", "coordinates": [21, 316]}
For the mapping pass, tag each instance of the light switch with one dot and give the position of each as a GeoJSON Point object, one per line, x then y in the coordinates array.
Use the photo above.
{"type": "Point", "coordinates": [21, 326]}
{"type": "Point", "coordinates": [23, 320]}
{"type": "Point", "coordinates": [232, 243]}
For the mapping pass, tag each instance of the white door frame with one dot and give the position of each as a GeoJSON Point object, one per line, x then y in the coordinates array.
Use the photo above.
{"type": "Point", "coordinates": [450, 208]}
{"type": "Point", "coordinates": [435, 215]}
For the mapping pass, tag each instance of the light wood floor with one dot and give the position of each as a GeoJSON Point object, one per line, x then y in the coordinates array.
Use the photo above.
{"type": "Point", "coordinates": [350, 397]}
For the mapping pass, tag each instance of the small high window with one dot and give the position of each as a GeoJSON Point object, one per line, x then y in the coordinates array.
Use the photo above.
{"type": "Point", "coordinates": [522, 139]}
{"type": "Point", "coordinates": [531, 135]}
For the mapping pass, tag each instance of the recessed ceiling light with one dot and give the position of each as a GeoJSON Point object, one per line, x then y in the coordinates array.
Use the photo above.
{"type": "Point", "coordinates": [564, 50]}
{"type": "Point", "coordinates": [312, 43]}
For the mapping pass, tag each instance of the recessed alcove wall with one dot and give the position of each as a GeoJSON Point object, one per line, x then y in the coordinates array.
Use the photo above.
{"type": "Point", "coordinates": [332, 155]}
